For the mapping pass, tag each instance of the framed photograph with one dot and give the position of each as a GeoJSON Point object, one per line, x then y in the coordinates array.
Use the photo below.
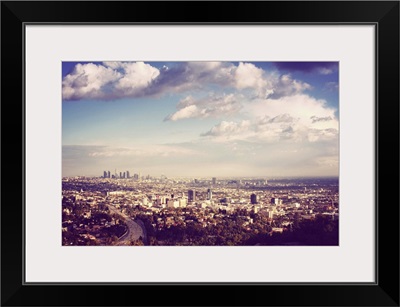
{"type": "Point", "coordinates": [246, 150]}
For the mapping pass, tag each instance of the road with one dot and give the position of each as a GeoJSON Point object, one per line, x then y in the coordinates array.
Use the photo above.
{"type": "Point", "coordinates": [134, 232]}
{"type": "Point", "coordinates": [141, 224]}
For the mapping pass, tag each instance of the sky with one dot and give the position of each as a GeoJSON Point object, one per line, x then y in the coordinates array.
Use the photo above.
{"type": "Point", "coordinates": [201, 119]}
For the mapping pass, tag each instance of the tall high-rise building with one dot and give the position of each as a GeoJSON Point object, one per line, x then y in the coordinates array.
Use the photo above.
{"type": "Point", "coordinates": [209, 194]}
{"type": "Point", "coordinates": [253, 199]}
{"type": "Point", "coordinates": [191, 195]}
{"type": "Point", "coordinates": [214, 180]}
{"type": "Point", "coordinates": [120, 174]}
{"type": "Point", "coordinates": [108, 174]}
{"type": "Point", "coordinates": [104, 174]}
{"type": "Point", "coordinates": [127, 175]}
{"type": "Point", "coordinates": [276, 201]}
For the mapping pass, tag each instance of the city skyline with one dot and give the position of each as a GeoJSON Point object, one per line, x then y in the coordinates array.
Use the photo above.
{"type": "Point", "coordinates": [126, 174]}
{"type": "Point", "coordinates": [199, 119]}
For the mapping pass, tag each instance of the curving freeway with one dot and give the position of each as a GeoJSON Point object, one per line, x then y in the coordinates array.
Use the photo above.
{"type": "Point", "coordinates": [134, 232]}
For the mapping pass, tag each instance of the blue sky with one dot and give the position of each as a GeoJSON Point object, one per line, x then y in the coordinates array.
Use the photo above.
{"type": "Point", "coordinates": [200, 119]}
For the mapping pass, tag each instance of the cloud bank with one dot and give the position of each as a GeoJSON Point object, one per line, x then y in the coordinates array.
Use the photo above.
{"type": "Point", "coordinates": [298, 118]}
{"type": "Point", "coordinates": [115, 80]}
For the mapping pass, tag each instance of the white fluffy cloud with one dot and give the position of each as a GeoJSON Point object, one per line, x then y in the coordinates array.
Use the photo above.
{"type": "Point", "coordinates": [285, 85]}
{"type": "Point", "coordinates": [114, 80]}
{"type": "Point", "coordinates": [298, 118]}
{"type": "Point", "coordinates": [226, 128]}
{"type": "Point", "coordinates": [303, 107]}
{"type": "Point", "coordinates": [137, 76]}
{"type": "Point", "coordinates": [210, 106]}
{"type": "Point", "coordinates": [88, 81]}
{"type": "Point", "coordinates": [210, 72]}
{"type": "Point", "coordinates": [247, 75]}
{"type": "Point", "coordinates": [185, 112]}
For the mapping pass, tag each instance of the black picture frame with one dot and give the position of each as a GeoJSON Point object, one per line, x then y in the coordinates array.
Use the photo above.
{"type": "Point", "coordinates": [383, 14]}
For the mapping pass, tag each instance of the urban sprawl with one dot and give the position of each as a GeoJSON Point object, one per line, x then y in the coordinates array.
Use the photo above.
{"type": "Point", "coordinates": [120, 209]}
